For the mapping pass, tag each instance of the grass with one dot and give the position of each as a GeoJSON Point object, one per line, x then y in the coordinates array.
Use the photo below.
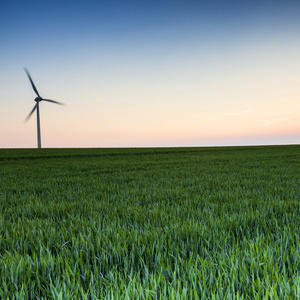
{"type": "Point", "coordinates": [164, 223]}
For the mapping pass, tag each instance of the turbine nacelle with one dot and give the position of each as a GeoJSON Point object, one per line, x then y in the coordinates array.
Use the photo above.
{"type": "Point", "coordinates": [38, 99]}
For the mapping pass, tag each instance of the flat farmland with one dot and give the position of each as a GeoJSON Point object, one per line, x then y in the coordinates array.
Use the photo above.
{"type": "Point", "coordinates": [150, 223]}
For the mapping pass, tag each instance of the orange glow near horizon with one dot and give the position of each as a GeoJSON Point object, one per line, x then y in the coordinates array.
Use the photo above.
{"type": "Point", "coordinates": [163, 126]}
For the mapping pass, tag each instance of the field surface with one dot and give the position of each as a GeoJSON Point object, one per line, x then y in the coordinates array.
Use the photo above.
{"type": "Point", "coordinates": [161, 223]}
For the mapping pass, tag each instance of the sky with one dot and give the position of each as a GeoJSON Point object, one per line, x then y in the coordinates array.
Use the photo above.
{"type": "Point", "coordinates": [150, 73]}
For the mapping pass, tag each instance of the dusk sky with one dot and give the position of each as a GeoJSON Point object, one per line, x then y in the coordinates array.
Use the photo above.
{"type": "Point", "coordinates": [150, 73]}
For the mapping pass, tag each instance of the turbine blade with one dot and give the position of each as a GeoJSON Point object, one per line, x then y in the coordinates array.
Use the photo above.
{"type": "Point", "coordinates": [27, 118]}
{"type": "Point", "coordinates": [56, 102]}
{"type": "Point", "coordinates": [33, 86]}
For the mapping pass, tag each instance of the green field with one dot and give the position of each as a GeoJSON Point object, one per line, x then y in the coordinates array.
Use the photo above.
{"type": "Point", "coordinates": [161, 223]}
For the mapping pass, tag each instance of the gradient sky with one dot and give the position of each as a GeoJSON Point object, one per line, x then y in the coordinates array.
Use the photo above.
{"type": "Point", "coordinates": [151, 73]}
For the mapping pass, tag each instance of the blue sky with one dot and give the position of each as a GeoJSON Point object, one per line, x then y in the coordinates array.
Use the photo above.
{"type": "Point", "coordinates": [151, 73]}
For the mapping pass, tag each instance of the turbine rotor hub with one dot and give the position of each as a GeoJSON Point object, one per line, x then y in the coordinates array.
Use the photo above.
{"type": "Point", "coordinates": [38, 99]}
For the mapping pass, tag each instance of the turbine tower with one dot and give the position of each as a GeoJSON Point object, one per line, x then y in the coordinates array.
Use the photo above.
{"type": "Point", "coordinates": [38, 99]}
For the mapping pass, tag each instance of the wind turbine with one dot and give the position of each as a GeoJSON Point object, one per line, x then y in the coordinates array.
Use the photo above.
{"type": "Point", "coordinates": [38, 99]}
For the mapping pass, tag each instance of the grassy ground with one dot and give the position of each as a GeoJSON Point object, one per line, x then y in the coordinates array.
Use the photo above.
{"type": "Point", "coordinates": [168, 223]}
